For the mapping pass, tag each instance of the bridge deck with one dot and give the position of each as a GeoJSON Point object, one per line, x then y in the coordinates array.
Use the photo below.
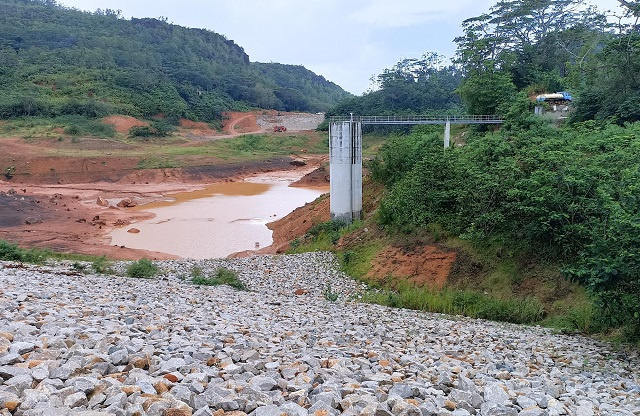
{"type": "Point", "coordinates": [461, 119]}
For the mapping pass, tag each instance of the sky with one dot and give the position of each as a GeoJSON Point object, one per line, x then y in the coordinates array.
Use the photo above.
{"type": "Point", "coordinates": [346, 41]}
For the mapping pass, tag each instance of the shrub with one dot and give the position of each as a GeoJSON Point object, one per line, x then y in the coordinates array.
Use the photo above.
{"type": "Point", "coordinates": [329, 294]}
{"type": "Point", "coordinates": [222, 276]}
{"type": "Point", "coordinates": [11, 252]}
{"type": "Point", "coordinates": [142, 269]}
{"type": "Point", "coordinates": [72, 130]}
{"type": "Point", "coordinates": [101, 265]}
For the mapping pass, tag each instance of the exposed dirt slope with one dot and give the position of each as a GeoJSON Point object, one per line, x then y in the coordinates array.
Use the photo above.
{"type": "Point", "coordinates": [123, 124]}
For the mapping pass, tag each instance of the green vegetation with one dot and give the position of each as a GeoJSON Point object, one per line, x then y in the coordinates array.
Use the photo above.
{"type": "Point", "coordinates": [412, 86]}
{"type": "Point", "coordinates": [11, 252]}
{"type": "Point", "coordinates": [551, 45]}
{"type": "Point", "coordinates": [557, 201]}
{"type": "Point", "coordinates": [329, 294]}
{"type": "Point", "coordinates": [72, 125]}
{"type": "Point", "coordinates": [142, 269]}
{"type": "Point", "coordinates": [459, 302]}
{"type": "Point", "coordinates": [101, 265]}
{"type": "Point", "coordinates": [222, 276]}
{"type": "Point", "coordinates": [58, 61]}
{"type": "Point", "coordinates": [562, 195]}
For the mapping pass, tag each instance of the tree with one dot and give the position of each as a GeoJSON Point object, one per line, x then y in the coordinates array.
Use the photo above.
{"type": "Point", "coordinates": [412, 86]}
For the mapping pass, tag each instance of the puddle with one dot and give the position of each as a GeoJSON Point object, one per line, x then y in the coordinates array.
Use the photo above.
{"type": "Point", "coordinates": [219, 220]}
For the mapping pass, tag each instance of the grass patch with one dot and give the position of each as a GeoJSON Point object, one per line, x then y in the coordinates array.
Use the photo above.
{"type": "Point", "coordinates": [44, 127]}
{"type": "Point", "coordinates": [460, 302]}
{"type": "Point", "coordinates": [222, 276]}
{"type": "Point", "coordinates": [142, 269]}
{"type": "Point", "coordinates": [11, 252]}
{"type": "Point", "coordinates": [101, 265]}
{"type": "Point", "coordinates": [157, 163]}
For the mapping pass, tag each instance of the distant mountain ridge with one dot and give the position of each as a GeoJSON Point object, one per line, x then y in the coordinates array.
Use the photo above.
{"type": "Point", "coordinates": [56, 60]}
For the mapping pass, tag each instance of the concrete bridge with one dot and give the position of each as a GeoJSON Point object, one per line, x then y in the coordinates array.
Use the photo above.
{"type": "Point", "coordinates": [345, 154]}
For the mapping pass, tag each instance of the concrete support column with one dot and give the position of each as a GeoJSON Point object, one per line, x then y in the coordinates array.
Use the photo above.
{"type": "Point", "coordinates": [447, 134]}
{"type": "Point", "coordinates": [345, 170]}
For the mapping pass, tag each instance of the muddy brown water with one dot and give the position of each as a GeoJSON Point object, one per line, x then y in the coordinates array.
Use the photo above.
{"type": "Point", "coordinates": [219, 220]}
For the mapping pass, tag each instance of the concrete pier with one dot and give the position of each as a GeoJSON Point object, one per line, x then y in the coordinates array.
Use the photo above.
{"type": "Point", "coordinates": [447, 134]}
{"type": "Point", "coordinates": [345, 156]}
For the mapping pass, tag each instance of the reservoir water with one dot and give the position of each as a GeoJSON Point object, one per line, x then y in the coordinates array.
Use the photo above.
{"type": "Point", "coordinates": [221, 219]}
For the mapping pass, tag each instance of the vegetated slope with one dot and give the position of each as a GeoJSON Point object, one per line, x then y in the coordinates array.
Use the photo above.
{"type": "Point", "coordinates": [55, 60]}
{"type": "Point", "coordinates": [412, 86]}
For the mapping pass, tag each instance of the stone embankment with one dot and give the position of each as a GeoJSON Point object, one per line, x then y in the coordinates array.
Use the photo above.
{"type": "Point", "coordinates": [90, 345]}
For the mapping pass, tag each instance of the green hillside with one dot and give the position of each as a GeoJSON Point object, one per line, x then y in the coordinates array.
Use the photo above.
{"type": "Point", "coordinates": [55, 60]}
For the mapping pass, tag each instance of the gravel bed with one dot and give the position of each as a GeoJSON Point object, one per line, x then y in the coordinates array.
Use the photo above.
{"type": "Point", "coordinates": [293, 122]}
{"type": "Point", "coordinates": [90, 345]}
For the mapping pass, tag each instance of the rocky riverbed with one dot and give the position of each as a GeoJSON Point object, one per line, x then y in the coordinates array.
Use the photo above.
{"type": "Point", "coordinates": [84, 344]}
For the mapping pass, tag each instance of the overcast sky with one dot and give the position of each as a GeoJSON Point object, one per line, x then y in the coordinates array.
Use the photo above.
{"type": "Point", "coordinates": [346, 41]}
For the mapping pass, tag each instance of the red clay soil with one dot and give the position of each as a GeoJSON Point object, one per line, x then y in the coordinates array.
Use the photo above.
{"type": "Point", "coordinates": [298, 223]}
{"type": "Point", "coordinates": [235, 122]}
{"type": "Point", "coordinates": [123, 124]}
{"type": "Point", "coordinates": [189, 124]}
{"type": "Point", "coordinates": [319, 177]}
{"type": "Point", "coordinates": [423, 266]}
{"type": "Point", "coordinates": [64, 223]}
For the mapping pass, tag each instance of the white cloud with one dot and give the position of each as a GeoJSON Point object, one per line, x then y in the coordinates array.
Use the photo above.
{"type": "Point", "coordinates": [389, 14]}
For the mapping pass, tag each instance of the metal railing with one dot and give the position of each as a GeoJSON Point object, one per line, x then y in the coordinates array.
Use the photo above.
{"type": "Point", "coordinates": [458, 119]}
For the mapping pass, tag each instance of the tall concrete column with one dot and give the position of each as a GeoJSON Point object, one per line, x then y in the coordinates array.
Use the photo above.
{"type": "Point", "coordinates": [447, 134]}
{"type": "Point", "coordinates": [345, 170]}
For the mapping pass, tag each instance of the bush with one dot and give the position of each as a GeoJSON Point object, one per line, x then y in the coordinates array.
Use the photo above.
{"type": "Point", "coordinates": [72, 130]}
{"type": "Point", "coordinates": [101, 265]}
{"type": "Point", "coordinates": [11, 252]}
{"type": "Point", "coordinates": [159, 128]}
{"type": "Point", "coordinates": [568, 196]}
{"type": "Point", "coordinates": [222, 276]}
{"type": "Point", "coordinates": [142, 269]}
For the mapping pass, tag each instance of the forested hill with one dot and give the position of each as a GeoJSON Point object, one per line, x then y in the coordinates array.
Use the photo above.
{"type": "Point", "coordinates": [55, 60]}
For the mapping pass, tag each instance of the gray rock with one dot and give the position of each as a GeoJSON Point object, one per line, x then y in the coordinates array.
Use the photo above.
{"type": "Point", "coordinates": [495, 393]}
{"type": "Point", "coordinates": [203, 412]}
{"type": "Point", "coordinates": [533, 411]}
{"type": "Point", "coordinates": [22, 347]}
{"type": "Point", "coordinates": [494, 409]}
{"type": "Point", "coordinates": [11, 358]}
{"type": "Point", "coordinates": [76, 400]}
{"type": "Point", "coordinates": [7, 398]}
{"type": "Point", "coordinates": [329, 398]}
{"type": "Point", "coordinates": [119, 357]}
{"type": "Point", "coordinates": [83, 384]}
{"type": "Point", "coordinates": [270, 410]}
{"type": "Point", "coordinates": [7, 371]}
{"type": "Point", "coordinates": [262, 383]}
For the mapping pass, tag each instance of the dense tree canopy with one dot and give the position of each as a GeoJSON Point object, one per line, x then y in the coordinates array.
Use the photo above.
{"type": "Point", "coordinates": [568, 194]}
{"type": "Point", "coordinates": [55, 60]}
{"type": "Point", "coordinates": [412, 86]}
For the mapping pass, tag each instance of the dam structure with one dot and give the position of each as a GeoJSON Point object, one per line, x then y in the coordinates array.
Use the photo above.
{"type": "Point", "coordinates": [345, 154]}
